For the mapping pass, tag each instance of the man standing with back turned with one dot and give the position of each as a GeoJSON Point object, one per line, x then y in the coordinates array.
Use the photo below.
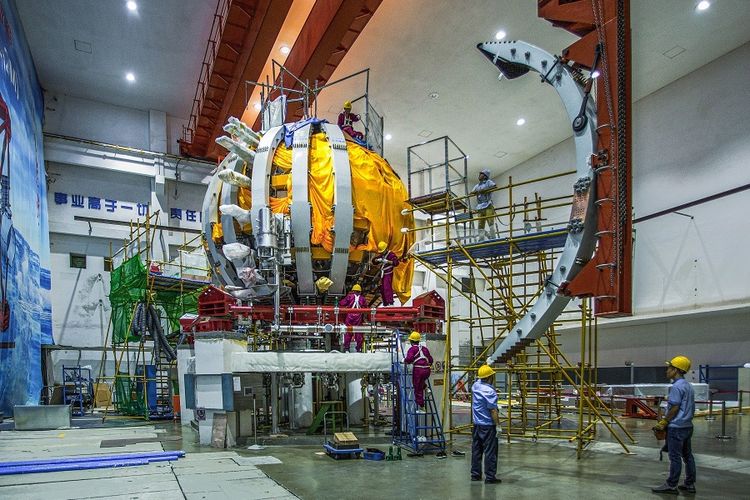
{"type": "Point", "coordinates": [484, 434]}
{"type": "Point", "coordinates": [679, 424]}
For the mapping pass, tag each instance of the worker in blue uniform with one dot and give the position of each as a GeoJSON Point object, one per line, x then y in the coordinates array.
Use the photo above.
{"type": "Point", "coordinates": [484, 434]}
{"type": "Point", "coordinates": [678, 422]}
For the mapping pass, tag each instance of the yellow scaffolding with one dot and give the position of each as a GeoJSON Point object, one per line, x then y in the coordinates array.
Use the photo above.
{"type": "Point", "coordinates": [544, 394]}
{"type": "Point", "coordinates": [187, 278]}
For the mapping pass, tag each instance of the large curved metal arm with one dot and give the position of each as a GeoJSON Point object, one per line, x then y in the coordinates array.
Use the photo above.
{"type": "Point", "coordinates": [514, 59]}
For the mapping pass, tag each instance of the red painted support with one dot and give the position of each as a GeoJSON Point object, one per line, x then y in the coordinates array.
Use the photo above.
{"type": "Point", "coordinates": [637, 408]}
{"type": "Point", "coordinates": [608, 276]}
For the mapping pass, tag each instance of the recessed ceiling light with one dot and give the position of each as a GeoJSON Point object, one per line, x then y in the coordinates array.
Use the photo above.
{"type": "Point", "coordinates": [500, 35]}
{"type": "Point", "coordinates": [131, 5]}
{"type": "Point", "coordinates": [433, 95]}
{"type": "Point", "coordinates": [130, 77]}
{"type": "Point", "coordinates": [425, 133]}
{"type": "Point", "coordinates": [388, 137]}
{"type": "Point", "coordinates": [520, 121]}
{"type": "Point", "coordinates": [501, 154]}
{"type": "Point", "coordinates": [257, 106]}
{"type": "Point", "coordinates": [595, 73]}
{"type": "Point", "coordinates": [703, 5]}
{"type": "Point", "coordinates": [285, 49]}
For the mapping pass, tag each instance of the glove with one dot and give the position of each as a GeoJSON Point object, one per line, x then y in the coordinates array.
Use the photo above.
{"type": "Point", "coordinates": [660, 429]}
{"type": "Point", "coordinates": [661, 424]}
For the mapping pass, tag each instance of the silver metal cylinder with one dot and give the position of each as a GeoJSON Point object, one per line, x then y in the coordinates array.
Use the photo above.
{"type": "Point", "coordinates": [266, 239]}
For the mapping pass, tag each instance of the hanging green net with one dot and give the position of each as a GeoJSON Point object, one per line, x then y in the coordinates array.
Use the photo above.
{"type": "Point", "coordinates": [129, 285]}
{"type": "Point", "coordinates": [129, 398]}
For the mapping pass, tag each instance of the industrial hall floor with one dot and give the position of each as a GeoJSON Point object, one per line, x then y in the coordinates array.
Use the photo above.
{"type": "Point", "coordinates": [543, 469]}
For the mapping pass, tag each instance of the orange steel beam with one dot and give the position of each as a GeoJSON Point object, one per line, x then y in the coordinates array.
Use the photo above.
{"type": "Point", "coordinates": [608, 276]}
{"type": "Point", "coordinates": [329, 31]}
{"type": "Point", "coordinates": [244, 45]}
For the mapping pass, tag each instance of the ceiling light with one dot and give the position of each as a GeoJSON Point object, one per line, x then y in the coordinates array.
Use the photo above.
{"type": "Point", "coordinates": [703, 5]}
{"type": "Point", "coordinates": [285, 50]}
{"type": "Point", "coordinates": [130, 77]}
{"type": "Point", "coordinates": [595, 73]}
{"type": "Point", "coordinates": [131, 5]}
{"type": "Point", "coordinates": [257, 106]}
{"type": "Point", "coordinates": [520, 121]}
{"type": "Point", "coordinates": [388, 137]}
{"type": "Point", "coordinates": [500, 35]}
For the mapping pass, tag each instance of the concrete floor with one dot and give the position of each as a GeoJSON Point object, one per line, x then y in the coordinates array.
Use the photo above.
{"type": "Point", "coordinates": [544, 469]}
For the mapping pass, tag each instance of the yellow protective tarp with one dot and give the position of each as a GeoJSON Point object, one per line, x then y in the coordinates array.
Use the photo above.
{"type": "Point", "coordinates": [378, 196]}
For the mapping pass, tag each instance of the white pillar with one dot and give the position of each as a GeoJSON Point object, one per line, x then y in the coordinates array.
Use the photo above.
{"type": "Point", "coordinates": [354, 398]}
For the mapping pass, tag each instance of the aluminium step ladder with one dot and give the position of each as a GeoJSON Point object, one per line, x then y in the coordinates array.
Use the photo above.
{"type": "Point", "coordinates": [420, 432]}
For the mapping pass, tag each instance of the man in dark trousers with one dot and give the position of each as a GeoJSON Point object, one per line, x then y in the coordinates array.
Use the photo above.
{"type": "Point", "coordinates": [484, 435]}
{"type": "Point", "coordinates": [679, 425]}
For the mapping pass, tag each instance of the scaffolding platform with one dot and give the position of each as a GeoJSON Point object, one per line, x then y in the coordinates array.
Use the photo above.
{"type": "Point", "coordinates": [532, 242]}
{"type": "Point", "coordinates": [439, 202]}
{"type": "Point", "coordinates": [161, 283]}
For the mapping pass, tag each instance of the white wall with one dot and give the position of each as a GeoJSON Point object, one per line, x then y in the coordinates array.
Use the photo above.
{"type": "Point", "coordinates": [80, 306]}
{"type": "Point", "coordinates": [98, 121]}
{"type": "Point", "coordinates": [690, 140]}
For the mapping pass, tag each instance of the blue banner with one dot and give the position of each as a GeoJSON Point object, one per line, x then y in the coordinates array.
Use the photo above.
{"type": "Point", "coordinates": [25, 307]}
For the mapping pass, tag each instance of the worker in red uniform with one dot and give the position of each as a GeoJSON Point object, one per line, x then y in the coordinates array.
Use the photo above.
{"type": "Point", "coordinates": [347, 119]}
{"type": "Point", "coordinates": [356, 300]}
{"type": "Point", "coordinates": [387, 261]}
{"type": "Point", "coordinates": [419, 356]}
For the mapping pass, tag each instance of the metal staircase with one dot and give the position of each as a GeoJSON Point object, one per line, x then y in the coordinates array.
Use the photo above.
{"type": "Point", "coordinates": [162, 406]}
{"type": "Point", "coordinates": [420, 432]}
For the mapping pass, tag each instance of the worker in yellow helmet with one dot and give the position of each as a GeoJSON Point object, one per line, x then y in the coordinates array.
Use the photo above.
{"type": "Point", "coordinates": [347, 119]}
{"type": "Point", "coordinates": [484, 434]}
{"type": "Point", "coordinates": [678, 422]}
{"type": "Point", "coordinates": [419, 356]}
{"type": "Point", "coordinates": [387, 261]}
{"type": "Point", "coordinates": [356, 300]}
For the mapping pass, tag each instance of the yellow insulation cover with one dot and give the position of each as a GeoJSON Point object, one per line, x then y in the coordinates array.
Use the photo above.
{"type": "Point", "coordinates": [379, 196]}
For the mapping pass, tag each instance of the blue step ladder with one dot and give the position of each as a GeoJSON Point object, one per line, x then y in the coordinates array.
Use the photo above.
{"type": "Point", "coordinates": [420, 432]}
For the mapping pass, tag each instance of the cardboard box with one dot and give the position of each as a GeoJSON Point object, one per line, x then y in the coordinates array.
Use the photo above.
{"type": "Point", "coordinates": [345, 438]}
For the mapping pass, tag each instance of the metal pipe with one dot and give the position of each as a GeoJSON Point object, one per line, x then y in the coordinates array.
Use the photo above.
{"type": "Point", "coordinates": [723, 435]}
{"type": "Point", "coordinates": [739, 397]}
{"type": "Point", "coordinates": [92, 458]}
{"type": "Point", "coordinates": [710, 417]}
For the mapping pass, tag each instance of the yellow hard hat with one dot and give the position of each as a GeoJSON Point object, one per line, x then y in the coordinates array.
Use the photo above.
{"type": "Point", "coordinates": [681, 363]}
{"type": "Point", "coordinates": [356, 288]}
{"type": "Point", "coordinates": [382, 246]}
{"type": "Point", "coordinates": [485, 371]}
{"type": "Point", "coordinates": [348, 105]}
{"type": "Point", "coordinates": [415, 336]}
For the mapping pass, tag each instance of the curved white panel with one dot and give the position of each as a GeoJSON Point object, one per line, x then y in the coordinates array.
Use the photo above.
{"type": "Point", "coordinates": [300, 210]}
{"type": "Point", "coordinates": [343, 208]}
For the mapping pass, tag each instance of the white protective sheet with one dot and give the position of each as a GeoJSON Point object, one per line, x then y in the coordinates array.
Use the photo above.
{"type": "Point", "coordinates": [286, 362]}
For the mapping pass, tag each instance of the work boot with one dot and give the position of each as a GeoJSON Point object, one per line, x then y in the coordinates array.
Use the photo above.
{"type": "Point", "coordinates": [687, 488]}
{"type": "Point", "coordinates": [476, 478]}
{"type": "Point", "coordinates": [494, 480]}
{"type": "Point", "coordinates": [665, 488]}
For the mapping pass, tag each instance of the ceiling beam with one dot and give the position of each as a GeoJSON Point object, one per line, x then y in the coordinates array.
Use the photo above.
{"type": "Point", "coordinates": [253, 46]}
{"type": "Point", "coordinates": [330, 29]}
